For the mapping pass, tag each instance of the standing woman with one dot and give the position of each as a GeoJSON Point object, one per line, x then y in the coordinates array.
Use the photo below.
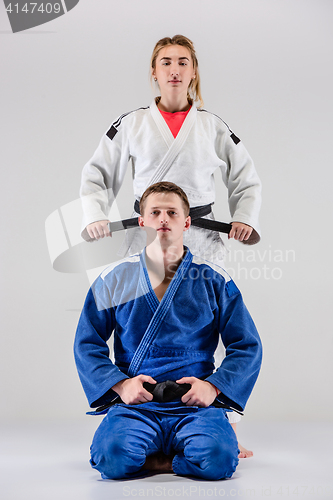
{"type": "Point", "coordinates": [175, 140]}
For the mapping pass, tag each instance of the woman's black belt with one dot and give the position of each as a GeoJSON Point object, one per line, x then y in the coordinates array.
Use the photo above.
{"type": "Point", "coordinates": [197, 219]}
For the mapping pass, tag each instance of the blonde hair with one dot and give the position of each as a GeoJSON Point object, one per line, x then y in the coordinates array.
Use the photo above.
{"type": "Point", "coordinates": [194, 89]}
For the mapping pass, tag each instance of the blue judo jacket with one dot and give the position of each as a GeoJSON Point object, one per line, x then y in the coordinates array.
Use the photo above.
{"type": "Point", "coordinates": [167, 340]}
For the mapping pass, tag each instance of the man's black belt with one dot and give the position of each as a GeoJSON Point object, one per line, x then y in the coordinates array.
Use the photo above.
{"type": "Point", "coordinates": [164, 392]}
{"type": "Point", "coordinates": [167, 391]}
{"type": "Point", "coordinates": [197, 219]}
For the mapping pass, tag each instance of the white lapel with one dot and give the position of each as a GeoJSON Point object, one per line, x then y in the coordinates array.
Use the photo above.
{"type": "Point", "coordinates": [174, 144]}
{"type": "Point", "coordinates": [161, 125]}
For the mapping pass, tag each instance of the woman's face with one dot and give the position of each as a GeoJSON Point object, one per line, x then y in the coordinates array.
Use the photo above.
{"type": "Point", "coordinates": [173, 70]}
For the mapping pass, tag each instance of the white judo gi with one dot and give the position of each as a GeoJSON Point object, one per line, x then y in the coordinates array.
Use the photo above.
{"type": "Point", "coordinates": [204, 143]}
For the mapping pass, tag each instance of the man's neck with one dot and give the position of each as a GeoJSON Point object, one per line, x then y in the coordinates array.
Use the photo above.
{"type": "Point", "coordinates": [162, 264]}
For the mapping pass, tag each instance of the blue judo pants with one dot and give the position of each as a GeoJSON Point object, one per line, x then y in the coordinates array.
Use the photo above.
{"type": "Point", "coordinates": [201, 439]}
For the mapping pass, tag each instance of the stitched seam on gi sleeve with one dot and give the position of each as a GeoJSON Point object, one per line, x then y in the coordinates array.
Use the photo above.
{"type": "Point", "coordinates": [231, 288]}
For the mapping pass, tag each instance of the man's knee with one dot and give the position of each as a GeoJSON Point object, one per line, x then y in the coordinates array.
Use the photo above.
{"type": "Point", "coordinates": [116, 456]}
{"type": "Point", "coordinates": [216, 459]}
{"type": "Point", "coordinates": [222, 459]}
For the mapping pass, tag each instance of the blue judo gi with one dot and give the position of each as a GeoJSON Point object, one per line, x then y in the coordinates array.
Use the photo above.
{"type": "Point", "coordinates": [167, 340]}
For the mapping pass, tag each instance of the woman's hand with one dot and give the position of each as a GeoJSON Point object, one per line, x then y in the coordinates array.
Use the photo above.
{"type": "Point", "coordinates": [99, 229]}
{"type": "Point", "coordinates": [240, 231]}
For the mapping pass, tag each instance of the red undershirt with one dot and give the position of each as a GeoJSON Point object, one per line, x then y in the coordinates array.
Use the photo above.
{"type": "Point", "coordinates": [174, 120]}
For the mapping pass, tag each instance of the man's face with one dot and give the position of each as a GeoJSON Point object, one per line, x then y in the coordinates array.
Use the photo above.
{"type": "Point", "coordinates": [164, 212]}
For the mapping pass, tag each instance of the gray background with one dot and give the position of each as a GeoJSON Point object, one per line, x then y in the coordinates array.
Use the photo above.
{"type": "Point", "coordinates": [266, 69]}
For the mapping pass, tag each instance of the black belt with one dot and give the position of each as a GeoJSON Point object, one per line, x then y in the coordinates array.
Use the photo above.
{"type": "Point", "coordinates": [196, 214]}
{"type": "Point", "coordinates": [164, 392]}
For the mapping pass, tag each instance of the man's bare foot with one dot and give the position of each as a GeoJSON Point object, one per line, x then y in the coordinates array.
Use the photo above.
{"type": "Point", "coordinates": [244, 453]}
{"type": "Point", "coordinates": [158, 463]}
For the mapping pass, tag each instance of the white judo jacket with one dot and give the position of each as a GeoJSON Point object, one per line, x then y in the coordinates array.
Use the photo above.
{"type": "Point", "coordinates": [204, 144]}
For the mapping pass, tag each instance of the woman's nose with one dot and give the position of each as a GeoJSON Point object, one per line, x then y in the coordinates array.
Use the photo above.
{"type": "Point", "coordinates": [174, 71]}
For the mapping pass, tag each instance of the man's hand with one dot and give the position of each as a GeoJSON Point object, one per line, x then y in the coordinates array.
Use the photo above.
{"type": "Point", "coordinates": [240, 231]}
{"type": "Point", "coordinates": [98, 229]}
{"type": "Point", "coordinates": [202, 393]}
{"type": "Point", "coordinates": [131, 390]}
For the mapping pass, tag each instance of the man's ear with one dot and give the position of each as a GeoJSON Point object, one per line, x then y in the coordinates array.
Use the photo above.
{"type": "Point", "coordinates": [141, 221]}
{"type": "Point", "coordinates": [187, 223]}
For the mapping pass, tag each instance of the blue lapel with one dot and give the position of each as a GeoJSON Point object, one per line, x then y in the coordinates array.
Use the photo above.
{"type": "Point", "coordinates": [159, 309]}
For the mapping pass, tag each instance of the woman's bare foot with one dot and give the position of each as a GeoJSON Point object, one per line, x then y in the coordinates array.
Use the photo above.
{"type": "Point", "coordinates": [158, 463]}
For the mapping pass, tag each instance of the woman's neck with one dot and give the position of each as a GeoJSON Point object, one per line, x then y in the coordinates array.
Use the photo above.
{"type": "Point", "coordinates": [174, 104]}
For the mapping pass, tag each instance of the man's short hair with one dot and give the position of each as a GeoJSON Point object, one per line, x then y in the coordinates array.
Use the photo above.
{"type": "Point", "coordinates": [165, 187]}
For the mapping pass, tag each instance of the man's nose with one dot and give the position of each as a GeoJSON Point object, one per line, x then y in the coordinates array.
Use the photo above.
{"type": "Point", "coordinates": [164, 218]}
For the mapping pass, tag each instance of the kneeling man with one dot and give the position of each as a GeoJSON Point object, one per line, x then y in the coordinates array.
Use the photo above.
{"type": "Point", "coordinates": [166, 405]}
